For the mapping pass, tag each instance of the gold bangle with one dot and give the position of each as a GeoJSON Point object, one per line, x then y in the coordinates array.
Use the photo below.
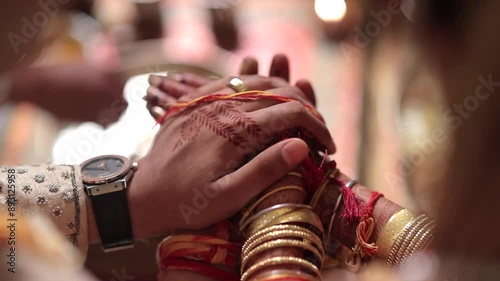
{"type": "Point", "coordinates": [306, 216]}
{"type": "Point", "coordinates": [294, 174]}
{"type": "Point", "coordinates": [326, 239]}
{"type": "Point", "coordinates": [275, 228]}
{"type": "Point", "coordinates": [261, 218]}
{"type": "Point", "coordinates": [253, 206]}
{"type": "Point", "coordinates": [283, 274]}
{"type": "Point", "coordinates": [317, 195]}
{"type": "Point", "coordinates": [280, 234]}
{"type": "Point", "coordinates": [410, 237]}
{"type": "Point", "coordinates": [279, 261]}
{"type": "Point", "coordinates": [421, 244]}
{"type": "Point", "coordinates": [418, 237]}
{"type": "Point", "coordinates": [303, 215]}
{"type": "Point", "coordinates": [271, 245]}
{"type": "Point", "coordinates": [426, 239]}
{"type": "Point", "coordinates": [391, 231]}
{"type": "Point", "coordinates": [399, 240]}
{"type": "Point", "coordinates": [299, 231]}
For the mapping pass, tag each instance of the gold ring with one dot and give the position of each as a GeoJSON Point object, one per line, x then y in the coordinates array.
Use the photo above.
{"type": "Point", "coordinates": [237, 84]}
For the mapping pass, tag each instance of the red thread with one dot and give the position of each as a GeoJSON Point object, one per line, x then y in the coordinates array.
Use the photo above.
{"type": "Point", "coordinates": [371, 204]}
{"type": "Point", "coordinates": [244, 96]}
{"type": "Point", "coordinates": [365, 228]}
{"type": "Point", "coordinates": [352, 205]}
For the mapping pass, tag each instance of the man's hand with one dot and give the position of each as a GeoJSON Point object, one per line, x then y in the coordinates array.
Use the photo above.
{"type": "Point", "coordinates": [198, 173]}
{"type": "Point", "coordinates": [77, 91]}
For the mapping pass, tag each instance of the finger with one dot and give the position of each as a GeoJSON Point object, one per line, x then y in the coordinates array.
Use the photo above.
{"type": "Point", "coordinates": [156, 97]}
{"type": "Point", "coordinates": [249, 66]}
{"type": "Point", "coordinates": [238, 188]}
{"type": "Point", "coordinates": [191, 79]}
{"type": "Point", "coordinates": [289, 92]}
{"type": "Point", "coordinates": [251, 82]}
{"type": "Point", "coordinates": [290, 115]}
{"type": "Point", "coordinates": [155, 111]}
{"type": "Point", "coordinates": [280, 67]}
{"type": "Point", "coordinates": [175, 89]}
{"type": "Point", "coordinates": [155, 80]}
{"type": "Point", "coordinates": [306, 88]}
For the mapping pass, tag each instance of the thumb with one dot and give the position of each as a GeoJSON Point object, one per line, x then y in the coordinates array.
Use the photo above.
{"type": "Point", "coordinates": [240, 187]}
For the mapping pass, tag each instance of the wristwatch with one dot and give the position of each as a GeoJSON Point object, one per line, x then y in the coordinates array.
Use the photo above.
{"type": "Point", "coordinates": [105, 179]}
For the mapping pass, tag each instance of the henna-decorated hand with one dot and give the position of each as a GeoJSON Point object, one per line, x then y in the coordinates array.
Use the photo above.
{"type": "Point", "coordinates": [195, 173]}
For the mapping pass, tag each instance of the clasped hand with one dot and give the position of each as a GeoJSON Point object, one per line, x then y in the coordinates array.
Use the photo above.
{"type": "Point", "coordinates": [209, 161]}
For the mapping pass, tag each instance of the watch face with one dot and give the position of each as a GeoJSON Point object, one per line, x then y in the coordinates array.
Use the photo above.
{"type": "Point", "coordinates": [104, 168]}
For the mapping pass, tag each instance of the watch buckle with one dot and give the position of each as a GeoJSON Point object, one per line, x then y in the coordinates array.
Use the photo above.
{"type": "Point", "coordinates": [106, 188]}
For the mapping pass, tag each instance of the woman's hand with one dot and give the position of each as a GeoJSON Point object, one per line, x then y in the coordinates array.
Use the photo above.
{"type": "Point", "coordinates": [198, 173]}
{"type": "Point", "coordinates": [186, 86]}
{"type": "Point", "coordinates": [77, 91]}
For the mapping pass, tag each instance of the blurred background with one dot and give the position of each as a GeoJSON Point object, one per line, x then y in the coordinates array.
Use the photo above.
{"type": "Point", "coordinates": [378, 100]}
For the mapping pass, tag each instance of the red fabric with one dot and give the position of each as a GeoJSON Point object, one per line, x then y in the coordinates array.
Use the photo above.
{"type": "Point", "coordinates": [202, 268]}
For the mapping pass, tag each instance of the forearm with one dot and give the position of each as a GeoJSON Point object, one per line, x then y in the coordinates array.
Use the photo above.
{"type": "Point", "coordinates": [382, 211]}
{"type": "Point", "coordinates": [397, 233]}
{"type": "Point", "coordinates": [55, 191]}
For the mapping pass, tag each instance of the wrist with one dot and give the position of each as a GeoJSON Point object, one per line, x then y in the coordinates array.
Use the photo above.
{"type": "Point", "coordinates": [133, 202]}
{"type": "Point", "coordinates": [136, 199]}
{"type": "Point", "coordinates": [93, 232]}
{"type": "Point", "coordinates": [346, 232]}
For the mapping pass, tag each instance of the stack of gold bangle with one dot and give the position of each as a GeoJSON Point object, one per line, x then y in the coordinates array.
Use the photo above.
{"type": "Point", "coordinates": [331, 174]}
{"type": "Point", "coordinates": [402, 236]}
{"type": "Point", "coordinates": [283, 225]}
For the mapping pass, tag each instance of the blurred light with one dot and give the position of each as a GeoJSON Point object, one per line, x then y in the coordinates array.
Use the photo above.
{"type": "Point", "coordinates": [330, 10]}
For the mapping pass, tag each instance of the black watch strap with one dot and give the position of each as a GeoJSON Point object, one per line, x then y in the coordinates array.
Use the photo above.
{"type": "Point", "coordinates": [113, 220]}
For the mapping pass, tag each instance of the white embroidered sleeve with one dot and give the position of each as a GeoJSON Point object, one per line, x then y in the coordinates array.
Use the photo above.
{"type": "Point", "coordinates": [56, 191]}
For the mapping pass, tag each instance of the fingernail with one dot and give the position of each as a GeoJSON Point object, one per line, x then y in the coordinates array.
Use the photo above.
{"type": "Point", "coordinates": [154, 80]}
{"type": "Point", "coordinates": [179, 77]}
{"type": "Point", "coordinates": [154, 94]}
{"type": "Point", "coordinates": [293, 152]}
